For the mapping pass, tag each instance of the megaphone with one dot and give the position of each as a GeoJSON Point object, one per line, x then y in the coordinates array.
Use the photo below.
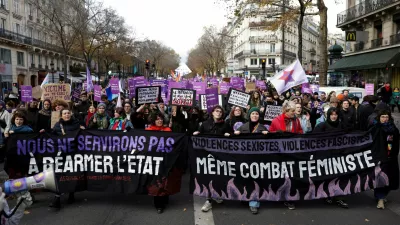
{"type": "Point", "coordinates": [43, 180]}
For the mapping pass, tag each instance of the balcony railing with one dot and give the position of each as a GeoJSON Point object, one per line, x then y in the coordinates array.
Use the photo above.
{"type": "Point", "coordinates": [261, 24]}
{"type": "Point", "coordinates": [258, 52]}
{"type": "Point", "coordinates": [313, 51]}
{"type": "Point", "coordinates": [376, 43]}
{"type": "Point", "coordinates": [287, 53]}
{"type": "Point", "coordinates": [19, 38]}
{"type": "Point", "coordinates": [395, 39]}
{"type": "Point", "coordinates": [362, 9]}
{"type": "Point", "coordinates": [359, 46]}
{"type": "Point", "coordinates": [263, 38]}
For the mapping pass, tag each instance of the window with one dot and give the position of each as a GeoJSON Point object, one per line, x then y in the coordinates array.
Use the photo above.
{"type": "Point", "coordinates": [20, 59]}
{"type": "Point", "coordinates": [4, 4]}
{"type": "Point", "coordinates": [16, 6]}
{"type": "Point", "coordinates": [271, 61]}
{"type": "Point", "coordinates": [30, 32]}
{"type": "Point", "coordinates": [3, 23]}
{"type": "Point", "coordinates": [17, 28]}
{"type": "Point", "coordinates": [253, 62]}
{"type": "Point", "coordinates": [40, 59]}
{"type": "Point", "coordinates": [5, 56]}
{"type": "Point", "coordinates": [32, 58]}
{"type": "Point", "coordinates": [272, 47]}
{"type": "Point", "coordinates": [29, 9]}
{"type": "Point", "coordinates": [45, 60]}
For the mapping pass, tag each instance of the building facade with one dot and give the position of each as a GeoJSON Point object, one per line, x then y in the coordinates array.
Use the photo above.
{"type": "Point", "coordinates": [26, 50]}
{"type": "Point", "coordinates": [374, 52]}
{"type": "Point", "coordinates": [252, 43]}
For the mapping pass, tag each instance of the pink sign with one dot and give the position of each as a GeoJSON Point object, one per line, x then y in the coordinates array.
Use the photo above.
{"type": "Point", "coordinates": [369, 89]}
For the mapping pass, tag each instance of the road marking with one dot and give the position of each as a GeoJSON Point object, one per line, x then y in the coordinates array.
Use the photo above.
{"type": "Point", "coordinates": [391, 205]}
{"type": "Point", "coordinates": [201, 218]}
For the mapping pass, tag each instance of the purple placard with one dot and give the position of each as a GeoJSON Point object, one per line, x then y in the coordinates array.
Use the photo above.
{"type": "Point", "coordinates": [211, 98]}
{"type": "Point", "coordinates": [26, 93]}
{"type": "Point", "coordinates": [369, 89]}
{"type": "Point", "coordinates": [235, 80]}
{"type": "Point", "coordinates": [224, 88]}
{"type": "Point", "coordinates": [261, 85]}
{"type": "Point", "coordinates": [314, 88]}
{"type": "Point", "coordinates": [214, 82]}
{"type": "Point", "coordinates": [114, 86]}
{"type": "Point", "coordinates": [97, 93]}
{"type": "Point", "coordinates": [200, 88]}
{"type": "Point", "coordinates": [305, 88]}
{"type": "Point", "coordinates": [76, 93]}
{"type": "Point", "coordinates": [139, 78]}
{"type": "Point", "coordinates": [131, 88]}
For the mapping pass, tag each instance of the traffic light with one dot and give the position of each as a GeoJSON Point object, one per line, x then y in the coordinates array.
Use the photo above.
{"type": "Point", "coordinates": [147, 64]}
{"type": "Point", "coordinates": [263, 63]}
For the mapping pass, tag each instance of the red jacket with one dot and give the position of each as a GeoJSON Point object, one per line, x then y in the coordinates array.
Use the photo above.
{"type": "Point", "coordinates": [278, 124]}
{"type": "Point", "coordinates": [156, 128]}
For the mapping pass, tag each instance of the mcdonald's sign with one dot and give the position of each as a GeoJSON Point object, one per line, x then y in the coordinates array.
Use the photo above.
{"type": "Point", "coordinates": [351, 36]}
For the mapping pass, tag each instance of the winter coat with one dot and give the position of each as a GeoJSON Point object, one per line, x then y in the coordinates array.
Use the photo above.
{"type": "Point", "coordinates": [245, 128]}
{"type": "Point", "coordinates": [305, 123]}
{"type": "Point", "coordinates": [31, 117]}
{"type": "Point", "coordinates": [385, 94]}
{"type": "Point", "coordinates": [102, 122]}
{"type": "Point", "coordinates": [21, 129]}
{"type": "Point", "coordinates": [365, 111]}
{"type": "Point", "coordinates": [211, 127]}
{"type": "Point", "coordinates": [69, 126]}
{"type": "Point", "coordinates": [395, 98]}
{"type": "Point", "coordinates": [156, 128]}
{"type": "Point", "coordinates": [232, 121]}
{"type": "Point", "coordinates": [43, 121]}
{"type": "Point", "coordinates": [328, 125]}
{"type": "Point", "coordinates": [356, 117]}
{"type": "Point", "coordinates": [279, 124]}
{"type": "Point", "coordinates": [6, 117]}
{"type": "Point", "coordinates": [347, 118]}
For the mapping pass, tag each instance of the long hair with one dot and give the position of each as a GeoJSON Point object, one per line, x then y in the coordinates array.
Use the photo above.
{"type": "Point", "coordinates": [121, 112]}
{"type": "Point", "coordinates": [232, 113]}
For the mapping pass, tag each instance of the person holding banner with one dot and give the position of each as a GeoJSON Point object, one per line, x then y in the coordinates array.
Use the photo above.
{"type": "Point", "coordinates": [235, 117]}
{"type": "Point", "coordinates": [304, 118]}
{"type": "Point", "coordinates": [252, 127]}
{"type": "Point", "coordinates": [90, 113]}
{"type": "Point", "coordinates": [120, 122]}
{"type": "Point", "coordinates": [100, 120]}
{"type": "Point", "coordinates": [385, 122]}
{"type": "Point", "coordinates": [32, 113]}
{"type": "Point", "coordinates": [178, 122]}
{"type": "Point", "coordinates": [66, 125]}
{"type": "Point", "coordinates": [214, 125]}
{"type": "Point", "coordinates": [195, 119]}
{"type": "Point", "coordinates": [44, 117]}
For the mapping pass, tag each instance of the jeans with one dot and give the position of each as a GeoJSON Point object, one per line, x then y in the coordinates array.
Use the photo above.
{"type": "Point", "coordinates": [254, 204]}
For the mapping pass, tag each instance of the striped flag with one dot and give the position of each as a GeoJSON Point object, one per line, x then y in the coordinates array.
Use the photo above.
{"type": "Point", "coordinates": [46, 80]}
{"type": "Point", "coordinates": [89, 82]}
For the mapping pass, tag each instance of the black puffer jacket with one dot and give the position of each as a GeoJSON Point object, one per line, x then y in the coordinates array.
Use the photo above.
{"type": "Point", "coordinates": [69, 126]}
{"type": "Point", "coordinates": [211, 127]}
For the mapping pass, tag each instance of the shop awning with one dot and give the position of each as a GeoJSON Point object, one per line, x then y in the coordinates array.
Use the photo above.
{"type": "Point", "coordinates": [371, 60]}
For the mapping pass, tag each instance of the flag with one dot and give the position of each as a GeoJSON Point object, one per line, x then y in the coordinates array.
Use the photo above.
{"type": "Point", "coordinates": [305, 88]}
{"type": "Point", "coordinates": [291, 76]}
{"type": "Point", "coordinates": [89, 83]}
{"type": "Point", "coordinates": [119, 102]}
{"type": "Point", "coordinates": [46, 80]}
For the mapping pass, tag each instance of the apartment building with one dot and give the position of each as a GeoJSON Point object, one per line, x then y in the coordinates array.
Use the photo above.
{"type": "Point", "coordinates": [374, 55]}
{"type": "Point", "coordinates": [252, 42]}
{"type": "Point", "coordinates": [26, 50]}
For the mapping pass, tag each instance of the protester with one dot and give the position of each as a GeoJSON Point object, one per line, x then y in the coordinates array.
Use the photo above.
{"type": "Point", "coordinates": [323, 116]}
{"type": "Point", "coordinates": [43, 119]}
{"type": "Point", "coordinates": [10, 106]}
{"type": "Point", "coordinates": [330, 95]}
{"type": "Point", "coordinates": [251, 127]}
{"type": "Point", "coordinates": [195, 120]}
{"type": "Point", "coordinates": [141, 117]}
{"type": "Point", "coordinates": [100, 119]}
{"type": "Point", "coordinates": [355, 106]}
{"type": "Point", "coordinates": [304, 118]}
{"type": "Point", "coordinates": [67, 124]}
{"type": "Point", "coordinates": [32, 113]}
{"type": "Point", "coordinates": [128, 110]}
{"type": "Point", "coordinates": [395, 99]}
{"type": "Point", "coordinates": [385, 122]}
{"type": "Point", "coordinates": [120, 122]}
{"type": "Point", "coordinates": [91, 111]}
{"type": "Point", "coordinates": [386, 93]}
{"type": "Point", "coordinates": [255, 99]}
{"type": "Point", "coordinates": [235, 116]}
{"type": "Point", "coordinates": [82, 107]}
{"type": "Point", "coordinates": [178, 122]}
{"type": "Point", "coordinates": [347, 115]}
{"type": "Point", "coordinates": [367, 109]}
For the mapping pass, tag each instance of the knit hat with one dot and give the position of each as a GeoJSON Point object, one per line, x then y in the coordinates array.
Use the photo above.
{"type": "Point", "coordinates": [254, 109]}
{"type": "Point", "coordinates": [101, 105]}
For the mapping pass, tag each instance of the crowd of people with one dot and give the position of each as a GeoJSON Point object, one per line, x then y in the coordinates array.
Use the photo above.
{"type": "Point", "coordinates": [302, 113]}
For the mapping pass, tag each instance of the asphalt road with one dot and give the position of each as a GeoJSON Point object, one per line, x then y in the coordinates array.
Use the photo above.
{"type": "Point", "coordinates": [184, 209]}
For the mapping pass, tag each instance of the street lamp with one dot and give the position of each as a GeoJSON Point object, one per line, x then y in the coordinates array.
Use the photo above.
{"type": "Point", "coordinates": [52, 71]}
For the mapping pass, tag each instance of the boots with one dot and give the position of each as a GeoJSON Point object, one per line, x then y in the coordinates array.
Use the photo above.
{"type": "Point", "coordinates": [56, 202]}
{"type": "Point", "coordinates": [71, 198]}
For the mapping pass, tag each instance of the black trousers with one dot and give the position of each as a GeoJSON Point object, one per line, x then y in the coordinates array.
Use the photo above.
{"type": "Point", "coordinates": [398, 107]}
{"type": "Point", "coordinates": [160, 202]}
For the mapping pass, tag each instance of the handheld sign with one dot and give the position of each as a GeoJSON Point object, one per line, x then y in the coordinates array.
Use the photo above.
{"type": "Point", "coordinates": [182, 97]}
{"type": "Point", "coordinates": [26, 93]}
{"type": "Point", "coordinates": [145, 95]}
{"type": "Point", "coordinates": [238, 98]}
{"type": "Point", "coordinates": [203, 102]}
{"type": "Point", "coordinates": [56, 91]}
{"type": "Point", "coordinates": [212, 98]}
{"type": "Point", "coordinates": [272, 111]}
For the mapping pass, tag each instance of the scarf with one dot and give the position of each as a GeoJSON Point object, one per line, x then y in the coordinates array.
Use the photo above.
{"type": "Point", "coordinates": [117, 123]}
{"type": "Point", "coordinates": [45, 112]}
{"type": "Point", "coordinates": [387, 88]}
{"type": "Point", "coordinates": [89, 115]}
{"type": "Point", "coordinates": [289, 123]}
{"type": "Point", "coordinates": [102, 121]}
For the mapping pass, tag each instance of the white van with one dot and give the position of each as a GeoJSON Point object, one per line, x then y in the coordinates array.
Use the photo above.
{"type": "Point", "coordinates": [359, 92]}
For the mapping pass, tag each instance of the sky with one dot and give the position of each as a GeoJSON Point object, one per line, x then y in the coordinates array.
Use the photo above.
{"type": "Point", "coordinates": [179, 23]}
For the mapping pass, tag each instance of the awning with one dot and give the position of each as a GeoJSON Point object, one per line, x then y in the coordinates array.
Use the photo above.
{"type": "Point", "coordinates": [370, 60]}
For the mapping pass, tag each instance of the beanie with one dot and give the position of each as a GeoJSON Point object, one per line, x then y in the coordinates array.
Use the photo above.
{"type": "Point", "coordinates": [254, 109]}
{"type": "Point", "coordinates": [101, 105]}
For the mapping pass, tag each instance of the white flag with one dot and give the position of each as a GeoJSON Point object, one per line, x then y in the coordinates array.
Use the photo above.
{"type": "Point", "coordinates": [46, 80]}
{"type": "Point", "coordinates": [291, 76]}
{"type": "Point", "coordinates": [119, 101]}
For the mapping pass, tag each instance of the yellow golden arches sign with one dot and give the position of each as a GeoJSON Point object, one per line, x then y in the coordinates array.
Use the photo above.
{"type": "Point", "coordinates": [351, 36]}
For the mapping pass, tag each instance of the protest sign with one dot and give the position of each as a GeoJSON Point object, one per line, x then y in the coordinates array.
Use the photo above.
{"type": "Point", "coordinates": [131, 88]}
{"type": "Point", "coordinates": [261, 85]}
{"type": "Point", "coordinates": [314, 88]}
{"type": "Point", "coordinates": [37, 92]}
{"type": "Point", "coordinates": [146, 95]}
{"type": "Point", "coordinates": [369, 89]}
{"type": "Point", "coordinates": [114, 84]}
{"type": "Point", "coordinates": [212, 98]}
{"type": "Point", "coordinates": [182, 97]}
{"type": "Point", "coordinates": [97, 93]}
{"type": "Point", "coordinates": [203, 102]}
{"type": "Point", "coordinates": [238, 98]}
{"type": "Point", "coordinates": [272, 111]}
{"type": "Point", "coordinates": [76, 94]}
{"type": "Point", "coordinates": [305, 88]}
{"type": "Point", "coordinates": [250, 86]}
{"type": "Point", "coordinates": [26, 93]}
{"type": "Point", "coordinates": [200, 88]}
{"type": "Point", "coordinates": [224, 88]}
{"type": "Point", "coordinates": [132, 162]}
{"type": "Point", "coordinates": [214, 82]}
{"type": "Point", "coordinates": [56, 91]}
{"type": "Point", "coordinates": [287, 167]}
{"type": "Point", "coordinates": [55, 117]}
{"type": "Point", "coordinates": [237, 83]}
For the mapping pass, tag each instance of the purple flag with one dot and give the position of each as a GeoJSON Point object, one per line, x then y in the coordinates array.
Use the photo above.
{"type": "Point", "coordinates": [26, 93]}
{"type": "Point", "coordinates": [305, 88]}
{"type": "Point", "coordinates": [261, 85]}
{"type": "Point", "coordinates": [131, 88]}
{"type": "Point", "coordinates": [97, 93]}
{"type": "Point", "coordinates": [224, 88]}
{"type": "Point", "coordinates": [114, 86]}
{"type": "Point", "coordinates": [212, 98]}
{"type": "Point", "coordinates": [89, 82]}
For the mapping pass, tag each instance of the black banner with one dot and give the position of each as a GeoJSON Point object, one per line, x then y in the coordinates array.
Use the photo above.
{"type": "Point", "coordinates": [141, 162]}
{"type": "Point", "coordinates": [286, 167]}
